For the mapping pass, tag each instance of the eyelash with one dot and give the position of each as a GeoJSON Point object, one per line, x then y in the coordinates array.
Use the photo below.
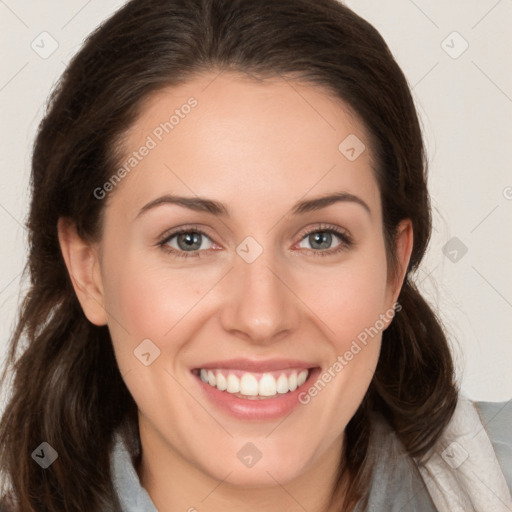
{"type": "Point", "coordinates": [346, 241]}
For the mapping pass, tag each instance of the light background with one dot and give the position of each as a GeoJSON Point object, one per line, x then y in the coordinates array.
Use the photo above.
{"type": "Point", "coordinates": [464, 99]}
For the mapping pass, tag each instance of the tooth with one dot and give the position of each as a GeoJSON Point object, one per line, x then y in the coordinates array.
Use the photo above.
{"type": "Point", "coordinates": [292, 381]}
{"type": "Point", "coordinates": [303, 375]}
{"type": "Point", "coordinates": [267, 385]}
{"type": "Point", "coordinates": [248, 385]}
{"type": "Point", "coordinates": [282, 384]}
{"type": "Point", "coordinates": [221, 382]}
{"type": "Point", "coordinates": [233, 384]}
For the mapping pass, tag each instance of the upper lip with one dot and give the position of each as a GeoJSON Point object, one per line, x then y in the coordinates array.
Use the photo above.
{"type": "Point", "coordinates": [252, 365]}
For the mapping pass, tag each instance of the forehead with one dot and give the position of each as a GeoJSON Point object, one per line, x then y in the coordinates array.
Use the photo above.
{"type": "Point", "coordinates": [231, 136]}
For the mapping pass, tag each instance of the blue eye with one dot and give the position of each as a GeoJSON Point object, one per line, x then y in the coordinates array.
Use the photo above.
{"type": "Point", "coordinates": [189, 241]}
{"type": "Point", "coordinates": [322, 238]}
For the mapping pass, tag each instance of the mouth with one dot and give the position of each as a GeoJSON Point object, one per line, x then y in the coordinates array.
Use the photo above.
{"type": "Point", "coordinates": [255, 390]}
{"type": "Point", "coordinates": [254, 385]}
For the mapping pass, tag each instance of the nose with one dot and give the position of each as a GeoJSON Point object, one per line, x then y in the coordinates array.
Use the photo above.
{"type": "Point", "coordinates": [260, 303]}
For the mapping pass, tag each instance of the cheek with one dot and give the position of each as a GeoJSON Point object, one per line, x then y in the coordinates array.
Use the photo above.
{"type": "Point", "coordinates": [351, 305]}
{"type": "Point", "coordinates": [148, 302]}
{"type": "Point", "coordinates": [350, 299]}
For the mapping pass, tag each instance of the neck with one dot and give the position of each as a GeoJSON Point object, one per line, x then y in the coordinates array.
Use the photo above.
{"type": "Point", "coordinates": [173, 483]}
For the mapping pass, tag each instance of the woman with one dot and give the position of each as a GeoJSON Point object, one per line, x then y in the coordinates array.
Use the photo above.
{"type": "Point", "coordinates": [187, 350]}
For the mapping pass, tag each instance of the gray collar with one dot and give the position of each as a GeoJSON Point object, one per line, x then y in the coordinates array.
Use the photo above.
{"type": "Point", "coordinates": [132, 496]}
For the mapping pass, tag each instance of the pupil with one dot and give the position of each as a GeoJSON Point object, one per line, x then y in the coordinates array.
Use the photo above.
{"type": "Point", "coordinates": [189, 240]}
{"type": "Point", "coordinates": [317, 237]}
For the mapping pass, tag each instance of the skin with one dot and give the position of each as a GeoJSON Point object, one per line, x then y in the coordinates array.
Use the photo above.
{"type": "Point", "coordinates": [258, 147]}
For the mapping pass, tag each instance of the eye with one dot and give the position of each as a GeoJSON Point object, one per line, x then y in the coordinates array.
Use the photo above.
{"type": "Point", "coordinates": [321, 240]}
{"type": "Point", "coordinates": [185, 242]}
{"type": "Point", "coordinates": [188, 241]}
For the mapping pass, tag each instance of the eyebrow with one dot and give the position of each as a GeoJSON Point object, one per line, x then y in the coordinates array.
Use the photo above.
{"type": "Point", "coordinates": [218, 209]}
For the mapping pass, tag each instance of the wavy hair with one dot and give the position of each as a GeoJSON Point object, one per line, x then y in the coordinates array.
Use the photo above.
{"type": "Point", "coordinates": [75, 398]}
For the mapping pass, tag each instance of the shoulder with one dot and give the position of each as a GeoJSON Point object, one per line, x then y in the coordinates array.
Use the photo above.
{"type": "Point", "coordinates": [497, 420]}
{"type": "Point", "coordinates": [395, 484]}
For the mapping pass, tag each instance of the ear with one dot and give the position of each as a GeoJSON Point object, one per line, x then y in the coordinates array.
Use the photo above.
{"type": "Point", "coordinates": [82, 262]}
{"type": "Point", "coordinates": [404, 243]}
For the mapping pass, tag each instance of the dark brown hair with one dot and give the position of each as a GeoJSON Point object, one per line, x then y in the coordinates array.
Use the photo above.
{"type": "Point", "coordinates": [74, 398]}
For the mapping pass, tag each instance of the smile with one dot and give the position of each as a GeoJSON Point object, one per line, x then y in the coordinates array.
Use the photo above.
{"type": "Point", "coordinates": [255, 390]}
{"type": "Point", "coordinates": [251, 385]}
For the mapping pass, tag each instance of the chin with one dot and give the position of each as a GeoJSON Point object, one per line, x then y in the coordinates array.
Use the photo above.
{"type": "Point", "coordinates": [261, 475]}
{"type": "Point", "coordinates": [252, 468]}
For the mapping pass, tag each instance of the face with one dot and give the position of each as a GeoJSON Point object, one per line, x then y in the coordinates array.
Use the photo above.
{"type": "Point", "coordinates": [263, 287]}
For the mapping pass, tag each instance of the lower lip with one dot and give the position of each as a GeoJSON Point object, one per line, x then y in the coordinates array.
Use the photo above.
{"type": "Point", "coordinates": [264, 409]}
